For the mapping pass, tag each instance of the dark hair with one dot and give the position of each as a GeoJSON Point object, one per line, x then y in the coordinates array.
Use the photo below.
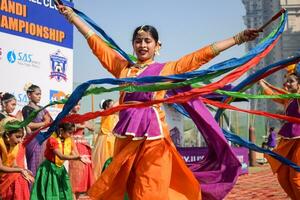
{"type": "Point", "coordinates": [6, 97]}
{"type": "Point", "coordinates": [296, 75]}
{"type": "Point", "coordinates": [106, 103]}
{"type": "Point", "coordinates": [32, 88]}
{"type": "Point", "coordinates": [272, 128]}
{"type": "Point", "coordinates": [66, 126]}
{"type": "Point", "coordinates": [147, 28]}
{"type": "Point", "coordinates": [8, 133]}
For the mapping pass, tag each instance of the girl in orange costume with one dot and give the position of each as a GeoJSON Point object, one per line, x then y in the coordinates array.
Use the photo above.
{"type": "Point", "coordinates": [104, 145]}
{"type": "Point", "coordinates": [146, 163]}
{"type": "Point", "coordinates": [14, 178]}
{"type": "Point", "coordinates": [289, 145]}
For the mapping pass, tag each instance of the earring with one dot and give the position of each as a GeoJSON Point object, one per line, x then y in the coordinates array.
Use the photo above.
{"type": "Point", "coordinates": [156, 52]}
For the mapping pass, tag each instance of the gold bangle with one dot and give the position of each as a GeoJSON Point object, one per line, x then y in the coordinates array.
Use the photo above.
{"type": "Point", "coordinates": [239, 38]}
{"type": "Point", "coordinates": [215, 49]}
{"type": "Point", "coordinates": [236, 41]}
{"type": "Point", "coordinates": [71, 15]}
{"type": "Point", "coordinates": [89, 34]}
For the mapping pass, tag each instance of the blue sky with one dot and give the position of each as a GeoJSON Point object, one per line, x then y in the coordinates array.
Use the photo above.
{"type": "Point", "coordinates": [183, 26]}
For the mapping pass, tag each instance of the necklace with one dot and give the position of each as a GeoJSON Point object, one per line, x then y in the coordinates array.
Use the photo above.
{"type": "Point", "coordinates": [143, 65]}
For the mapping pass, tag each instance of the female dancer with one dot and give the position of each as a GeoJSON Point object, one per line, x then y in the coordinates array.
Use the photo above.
{"type": "Point", "coordinates": [34, 151]}
{"type": "Point", "coordinates": [14, 178]}
{"type": "Point", "coordinates": [8, 104]}
{"type": "Point", "coordinates": [289, 145]}
{"type": "Point", "coordinates": [146, 163]}
{"type": "Point", "coordinates": [52, 180]}
{"type": "Point", "coordinates": [104, 145]}
{"type": "Point", "coordinates": [81, 174]}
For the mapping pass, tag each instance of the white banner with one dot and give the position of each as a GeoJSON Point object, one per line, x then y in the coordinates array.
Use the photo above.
{"type": "Point", "coordinates": [36, 46]}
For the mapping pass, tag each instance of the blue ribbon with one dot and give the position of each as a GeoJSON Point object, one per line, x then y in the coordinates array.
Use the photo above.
{"type": "Point", "coordinates": [254, 76]}
{"type": "Point", "coordinates": [240, 141]}
{"type": "Point", "coordinates": [102, 32]}
{"type": "Point", "coordinates": [226, 65]}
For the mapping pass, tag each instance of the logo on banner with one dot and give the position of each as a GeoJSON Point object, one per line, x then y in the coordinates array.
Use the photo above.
{"type": "Point", "coordinates": [11, 57]}
{"type": "Point", "coordinates": [56, 95]}
{"type": "Point", "coordinates": [22, 58]}
{"type": "Point", "coordinates": [58, 66]}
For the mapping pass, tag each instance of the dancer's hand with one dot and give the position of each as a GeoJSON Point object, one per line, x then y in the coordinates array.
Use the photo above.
{"type": "Point", "coordinates": [63, 9]}
{"type": "Point", "coordinates": [250, 34]}
{"type": "Point", "coordinates": [85, 159]}
{"type": "Point", "coordinates": [27, 174]}
{"type": "Point", "coordinates": [246, 36]}
{"type": "Point", "coordinates": [262, 82]}
{"type": "Point", "coordinates": [67, 12]}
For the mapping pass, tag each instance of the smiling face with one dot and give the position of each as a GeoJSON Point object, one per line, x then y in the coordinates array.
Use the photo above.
{"type": "Point", "coordinates": [292, 83]}
{"type": "Point", "coordinates": [10, 106]}
{"type": "Point", "coordinates": [145, 43]}
{"type": "Point", "coordinates": [144, 46]}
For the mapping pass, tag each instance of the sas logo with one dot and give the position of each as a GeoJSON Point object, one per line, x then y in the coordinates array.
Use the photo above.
{"type": "Point", "coordinates": [11, 57]}
{"type": "Point", "coordinates": [22, 58]}
{"type": "Point", "coordinates": [21, 98]}
{"type": "Point", "coordinates": [56, 95]}
{"type": "Point", "coordinates": [58, 66]}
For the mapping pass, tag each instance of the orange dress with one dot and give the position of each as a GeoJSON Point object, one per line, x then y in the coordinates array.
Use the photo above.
{"type": "Point", "coordinates": [12, 185]}
{"type": "Point", "coordinates": [146, 169]}
{"type": "Point", "coordinates": [104, 144]}
{"type": "Point", "coordinates": [288, 177]}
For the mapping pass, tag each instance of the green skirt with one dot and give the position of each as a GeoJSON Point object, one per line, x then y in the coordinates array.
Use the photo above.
{"type": "Point", "coordinates": [51, 183]}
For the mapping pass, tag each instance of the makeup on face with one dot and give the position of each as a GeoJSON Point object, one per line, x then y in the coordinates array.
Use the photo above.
{"type": "Point", "coordinates": [144, 46]}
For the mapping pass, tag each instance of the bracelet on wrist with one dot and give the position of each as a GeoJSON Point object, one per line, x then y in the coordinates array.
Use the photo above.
{"type": "Point", "coordinates": [215, 49]}
{"type": "Point", "coordinates": [239, 38]}
{"type": "Point", "coordinates": [71, 15]}
{"type": "Point", "coordinates": [89, 34]}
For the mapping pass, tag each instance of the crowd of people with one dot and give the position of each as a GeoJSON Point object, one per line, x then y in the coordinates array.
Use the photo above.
{"type": "Point", "coordinates": [30, 170]}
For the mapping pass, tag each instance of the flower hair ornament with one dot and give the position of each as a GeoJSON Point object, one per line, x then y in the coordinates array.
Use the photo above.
{"type": "Point", "coordinates": [101, 103]}
{"type": "Point", "coordinates": [293, 69]}
{"type": "Point", "coordinates": [141, 30]}
{"type": "Point", "coordinates": [27, 86]}
{"type": "Point", "coordinates": [159, 47]}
